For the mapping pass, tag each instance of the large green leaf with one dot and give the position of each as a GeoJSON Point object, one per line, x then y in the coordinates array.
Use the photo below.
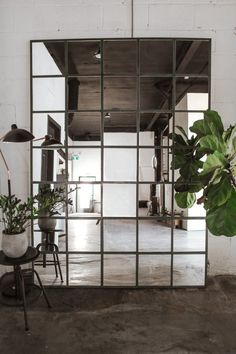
{"type": "Point", "coordinates": [185, 199]}
{"type": "Point", "coordinates": [219, 193]}
{"type": "Point", "coordinates": [200, 128]}
{"type": "Point", "coordinates": [214, 122]}
{"type": "Point", "coordinates": [231, 143]}
{"type": "Point", "coordinates": [182, 131]}
{"type": "Point", "coordinates": [222, 220]}
{"type": "Point", "coordinates": [214, 161]}
{"type": "Point", "coordinates": [212, 143]}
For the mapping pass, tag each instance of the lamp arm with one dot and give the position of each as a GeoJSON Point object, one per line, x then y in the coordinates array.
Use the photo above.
{"type": "Point", "coordinates": [8, 173]}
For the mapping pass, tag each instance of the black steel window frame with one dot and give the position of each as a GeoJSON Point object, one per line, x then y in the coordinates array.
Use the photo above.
{"type": "Point", "coordinates": [138, 111]}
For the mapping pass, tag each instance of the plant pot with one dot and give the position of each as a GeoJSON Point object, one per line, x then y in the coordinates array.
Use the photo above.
{"type": "Point", "coordinates": [47, 223]}
{"type": "Point", "coordinates": [14, 245]}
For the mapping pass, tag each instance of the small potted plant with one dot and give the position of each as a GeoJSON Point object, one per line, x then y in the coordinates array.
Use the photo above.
{"type": "Point", "coordinates": [16, 217]}
{"type": "Point", "coordinates": [50, 202]}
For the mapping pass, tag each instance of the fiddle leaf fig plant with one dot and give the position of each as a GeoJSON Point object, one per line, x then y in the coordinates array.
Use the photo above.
{"type": "Point", "coordinates": [207, 162]}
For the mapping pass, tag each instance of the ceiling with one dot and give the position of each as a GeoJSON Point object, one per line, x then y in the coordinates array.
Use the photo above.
{"type": "Point", "coordinates": [120, 57]}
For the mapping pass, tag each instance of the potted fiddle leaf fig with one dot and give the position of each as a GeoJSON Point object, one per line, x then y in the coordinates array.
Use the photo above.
{"type": "Point", "coordinates": [50, 203]}
{"type": "Point", "coordinates": [207, 162]}
{"type": "Point", "coordinates": [16, 216]}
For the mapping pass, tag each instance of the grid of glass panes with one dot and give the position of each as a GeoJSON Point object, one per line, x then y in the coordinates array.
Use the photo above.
{"type": "Point", "coordinates": [113, 103]}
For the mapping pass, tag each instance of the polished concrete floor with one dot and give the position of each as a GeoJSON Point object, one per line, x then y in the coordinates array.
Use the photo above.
{"type": "Point", "coordinates": [120, 269]}
{"type": "Point", "coordinates": [119, 321]}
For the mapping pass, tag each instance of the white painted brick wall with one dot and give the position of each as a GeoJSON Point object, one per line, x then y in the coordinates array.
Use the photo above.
{"type": "Point", "coordinates": [23, 20]}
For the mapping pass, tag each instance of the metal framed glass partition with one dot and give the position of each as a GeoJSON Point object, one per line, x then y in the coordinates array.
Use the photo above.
{"type": "Point", "coordinates": [112, 103]}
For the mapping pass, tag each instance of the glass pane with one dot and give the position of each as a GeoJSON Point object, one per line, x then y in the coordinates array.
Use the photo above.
{"type": "Point", "coordinates": [119, 270]}
{"type": "Point", "coordinates": [119, 235]}
{"type": "Point", "coordinates": [156, 57]}
{"type": "Point", "coordinates": [84, 269]}
{"type": "Point", "coordinates": [155, 165]}
{"type": "Point", "coordinates": [120, 128]}
{"type": "Point", "coordinates": [49, 165]}
{"type": "Point", "coordinates": [192, 57]}
{"type": "Point", "coordinates": [86, 198]}
{"type": "Point", "coordinates": [155, 199]}
{"type": "Point", "coordinates": [156, 93]}
{"type": "Point", "coordinates": [154, 235]}
{"type": "Point", "coordinates": [119, 200]}
{"type": "Point", "coordinates": [120, 57]}
{"type": "Point", "coordinates": [52, 124]}
{"type": "Point", "coordinates": [154, 270]}
{"type": "Point", "coordinates": [57, 210]}
{"type": "Point", "coordinates": [120, 164]}
{"type": "Point", "coordinates": [50, 240]}
{"type": "Point", "coordinates": [48, 274]}
{"type": "Point", "coordinates": [186, 120]}
{"type": "Point", "coordinates": [155, 129]}
{"type": "Point", "coordinates": [189, 235]}
{"type": "Point", "coordinates": [83, 235]}
{"type": "Point", "coordinates": [48, 58]}
{"type": "Point", "coordinates": [84, 128]}
{"type": "Point", "coordinates": [83, 58]}
{"type": "Point", "coordinates": [191, 94]}
{"type": "Point", "coordinates": [197, 210]}
{"type": "Point", "coordinates": [84, 93]}
{"type": "Point", "coordinates": [84, 163]}
{"type": "Point", "coordinates": [49, 94]}
{"type": "Point", "coordinates": [189, 270]}
{"type": "Point", "coordinates": [120, 93]}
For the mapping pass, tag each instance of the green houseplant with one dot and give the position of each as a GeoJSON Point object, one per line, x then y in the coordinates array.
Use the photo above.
{"type": "Point", "coordinates": [207, 162]}
{"type": "Point", "coordinates": [50, 202]}
{"type": "Point", "coordinates": [16, 216]}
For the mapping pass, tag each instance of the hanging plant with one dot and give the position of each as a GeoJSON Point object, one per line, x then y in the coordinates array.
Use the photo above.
{"type": "Point", "coordinates": [207, 162]}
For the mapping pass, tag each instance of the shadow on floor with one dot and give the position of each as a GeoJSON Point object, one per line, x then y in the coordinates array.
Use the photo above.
{"type": "Point", "coordinates": [126, 321]}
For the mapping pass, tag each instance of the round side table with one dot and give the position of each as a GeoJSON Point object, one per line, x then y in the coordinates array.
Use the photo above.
{"type": "Point", "coordinates": [18, 296]}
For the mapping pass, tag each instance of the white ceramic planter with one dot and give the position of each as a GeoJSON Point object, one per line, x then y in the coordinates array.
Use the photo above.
{"type": "Point", "coordinates": [15, 245]}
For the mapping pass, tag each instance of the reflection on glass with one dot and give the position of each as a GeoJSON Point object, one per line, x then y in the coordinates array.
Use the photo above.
{"type": "Point", "coordinates": [83, 235]}
{"type": "Point", "coordinates": [49, 94]}
{"type": "Point", "coordinates": [84, 269]}
{"type": "Point", "coordinates": [155, 129]}
{"type": "Point", "coordinates": [84, 93]}
{"type": "Point", "coordinates": [187, 119]}
{"type": "Point", "coordinates": [192, 57]}
{"type": "Point", "coordinates": [48, 58]}
{"type": "Point", "coordinates": [120, 164]}
{"type": "Point", "coordinates": [119, 200]}
{"type": "Point", "coordinates": [191, 93]}
{"type": "Point", "coordinates": [155, 165]}
{"type": "Point", "coordinates": [83, 58]}
{"type": "Point", "coordinates": [49, 165]}
{"type": "Point", "coordinates": [189, 235]}
{"type": "Point", "coordinates": [119, 235]}
{"type": "Point", "coordinates": [47, 274]}
{"type": "Point", "coordinates": [189, 270]}
{"type": "Point", "coordinates": [120, 93]}
{"type": "Point", "coordinates": [84, 163]}
{"type": "Point", "coordinates": [154, 235]}
{"type": "Point", "coordinates": [52, 124]}
{"type": "Point", "coordinates": [86, 198]}
{"type": "Point", "coordinates": [154, 270]}
{"type": "Point", "coordinates": [155, 199]}
{"type": "Point", "coordinates": [156, 93]}
{"type": "Point", "coordinates": [55, 237]}
{"type": "Point", "coordinates": [120, 128]}
{"type": "Point", "coordinates": [84, 128]}
{"type": "Point", "coordinates": [119, 270]}
{"type": "Point", "coordinates": [120, 57]}
{"type": "Point", "coordinates": [156, 57]}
